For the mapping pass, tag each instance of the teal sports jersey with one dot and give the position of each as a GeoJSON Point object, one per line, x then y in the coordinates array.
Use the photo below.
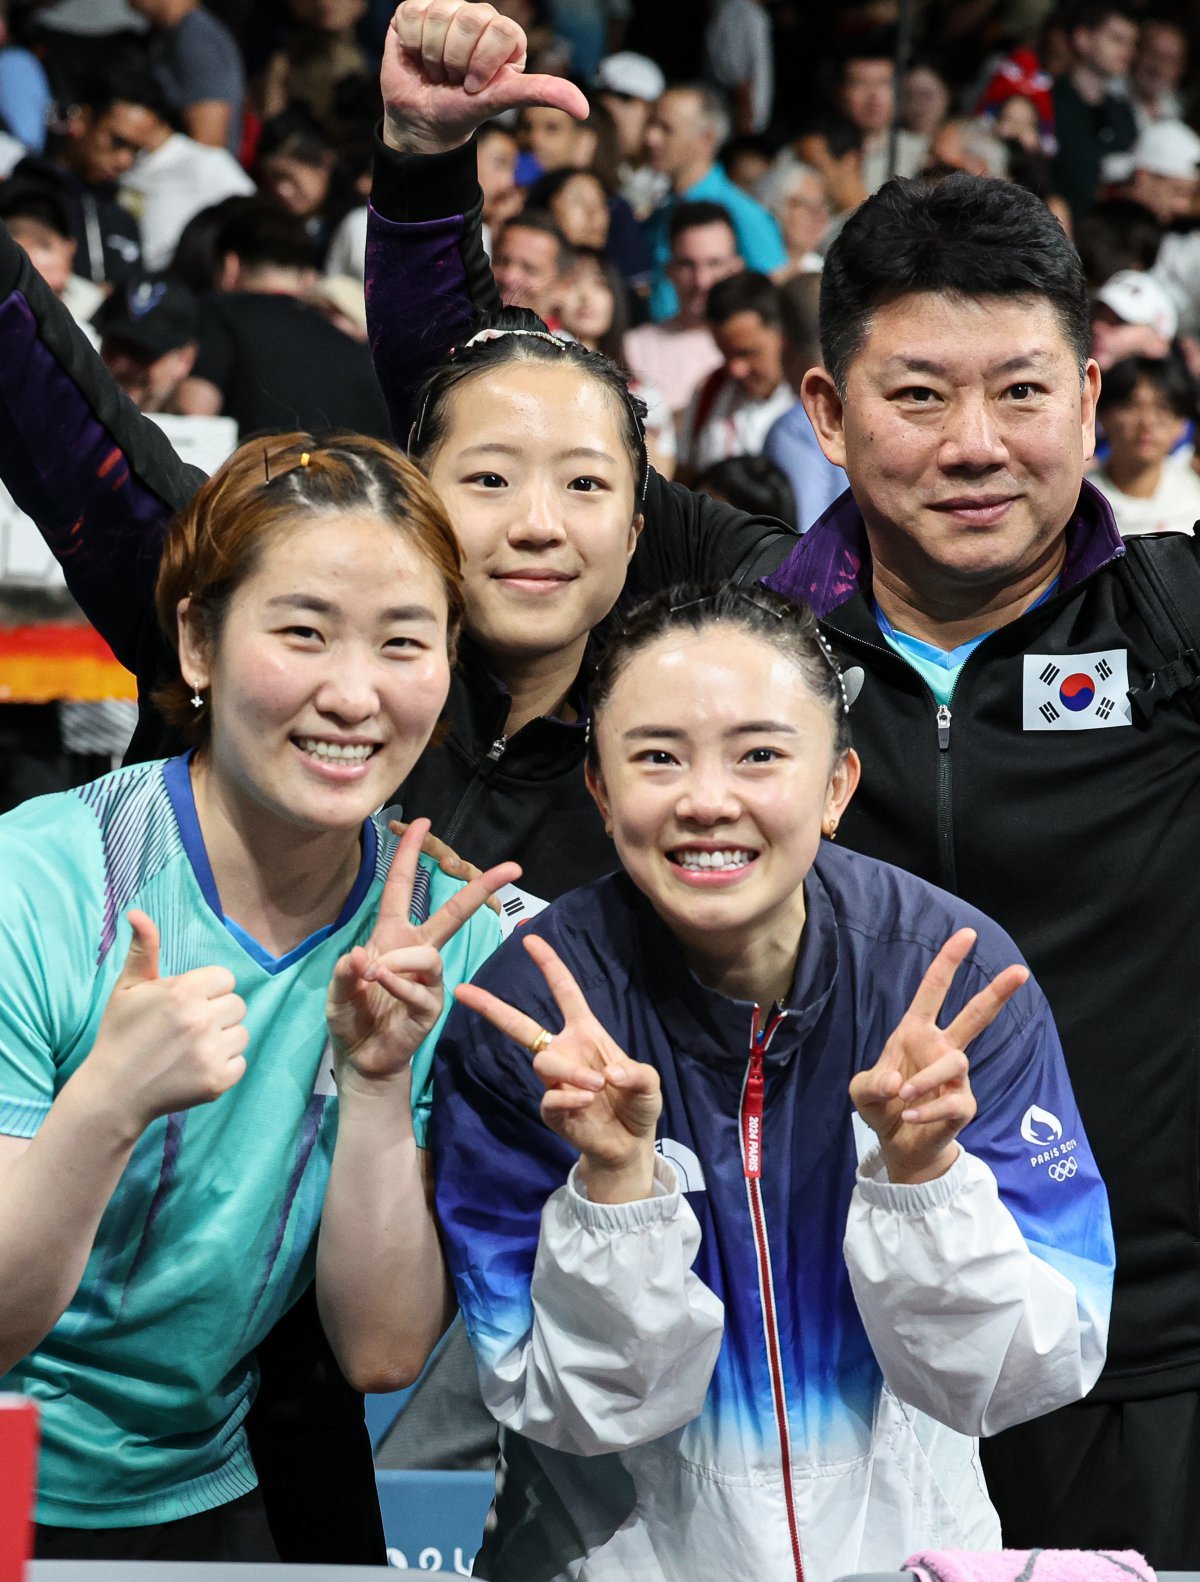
{"type": "Point", "coordinates": [147, 1377]}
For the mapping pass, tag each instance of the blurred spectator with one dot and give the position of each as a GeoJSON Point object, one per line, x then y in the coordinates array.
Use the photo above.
{"type": "Point", "coordinates": [198, 262]}
{"type": "Point", "coordinates": [1159, 69]}
{"type": "Point", "coordinates": [924, 100]}
{"type": "Point", "coordinates": [37, 218]}
{"type": "Point", "coordinates": [971, 145]}
{"type": "Point", "coordinates": [149, 329]}
{"type": "Point", "coordinates": [865, 95]}
{"type": "Point", "coordinates": [592, 305]}
{"type": "Point", "coordinates": [678, 353]}
{"type": "Point", "coordinates": [530, 256]}
{"type": "Point", "coordinates": [795, 195]}
{"type": "Point", "coordinates": [268, 358]}
{"type": "Point", "coordinates": [118, 118]}
{"type": "Point", "coordinates": [685, 131]}
{"type": "Point", "coordinates": [1118, 234]}
{"type": "Point", "coordinates": [732, 412]}
{"type": "Point", "coordinates": [1145, 406]}
{"type": "Point", "coordinates": [1092, 123]}
{"type": "Point", "coordinates": [834, 151]}
{"type": "Point", "coordinates": [1019, 79]}
{"type": "Point", "coordinates": [739, 61]}
{"type": "Point", "coordinates": [750, 483]}
{"type": "Point", "coordinates": [1132, 316]}
{"type": "Point", "coordinates": [496, 162]}
{"type": "Point", "coordinates": [1177, 270]}
{"type": "Point", "coordinates": [321, 52]}
{"type": "Point", "coordinates": [746, 161]}
{"type": "Point", "coordinates": [553, 140]}
{"type": "Point", "coordinates": [791, 442]}
{"type": "Point", "coordinates": [1166, 171]}
{"type": "Point", "coordinates": [25, 98]}
{"type": "Point", "coordinates": [629, 86]}
{"type": "Point", "coordinates": [1017, 121]}
{"type": "Point", "coordinates": [297, 167]}
{"type": "Point", "coordinates": [200, 67]}
{"type": "Point", "coordinates": [576, 201]}
{"type": "Point", "coordinates": [173, 178]}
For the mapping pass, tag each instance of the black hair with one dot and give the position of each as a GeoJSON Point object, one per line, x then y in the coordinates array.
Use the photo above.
{"type": "Point", "coordinates": [877, 43]}
{"type": "Point", "coordinates": [1091, 14]}
{"type": "Point", "coordinates": [127, 79]}
{"type": "Point", "coordinates": [29, 199]}
{"type": "Point", "coordinates": [799, 314]}
{"type": "Point", "coordinates": [612, 342]}
{"type": "Point", "coordinates": [546, 188]}
{"type": "Point", "coordinates": [532, 343]}
{"type": "Point", "coordinates": [690, 216]}
{"type": "Point", "coordinates": [262, 234]}
{"type": "Point", "coordinates": [297, 133]}
{"type": "Point", "coordinates": [755, 610]}
{"type": "Point", "coordinates": [754, 484]}
{"type": "Point", "coordinates": [968, 237]}
{"type": "Point", "coordinates": [1168, 375]}
{"type": "Point", "coordinates": [545, 224]}
{"type": "Point", "coordinates": [495, 129]}
{"type": "Point", "coordinates": [746, 292]}
{"type": "Point", "coordinates": [197, 259]}
{"type": "Point", "coordinates": [1117, 234]}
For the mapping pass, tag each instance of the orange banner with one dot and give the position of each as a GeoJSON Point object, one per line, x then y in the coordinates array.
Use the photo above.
{"type": "Point", "coordinates": [45, 664]}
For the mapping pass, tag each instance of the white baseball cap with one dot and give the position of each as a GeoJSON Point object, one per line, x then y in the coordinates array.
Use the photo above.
{"type": "Point", "coordinates": [1138, 298]}
{"type": "Point", "coordinates": [1167, 148]}
{"type": "Point", "coordinates": [633, 76]}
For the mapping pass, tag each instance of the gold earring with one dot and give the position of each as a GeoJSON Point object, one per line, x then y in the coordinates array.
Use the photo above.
{"type": "Point", "coordinates": [831, 829]}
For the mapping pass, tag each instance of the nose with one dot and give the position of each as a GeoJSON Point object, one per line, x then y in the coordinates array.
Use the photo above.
{"type": "Point", "coordinates": [972, 440]}
{"type": "Point", "coordinates": [349, 690]}
{"type": "Point", "coordinates": [537, 519]}
{"type": "Point", "coordinates": [707, 797]}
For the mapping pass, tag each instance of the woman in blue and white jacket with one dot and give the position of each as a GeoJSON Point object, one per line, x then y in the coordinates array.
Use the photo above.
{"type": "Point", "coordinates": [748, 1254]}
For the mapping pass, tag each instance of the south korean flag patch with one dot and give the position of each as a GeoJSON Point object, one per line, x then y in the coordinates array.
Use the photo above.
{"type": "Point", "coordinates": [1075, 692]}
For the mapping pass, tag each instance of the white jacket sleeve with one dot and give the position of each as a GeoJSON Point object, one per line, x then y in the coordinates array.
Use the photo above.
{"type": "Point", "coordinates": [624, 1337]}
{"type": "Point", "coordinates": [969, 1324]}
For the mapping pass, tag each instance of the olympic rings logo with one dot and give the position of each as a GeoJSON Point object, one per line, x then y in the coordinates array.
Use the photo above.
{"type": "Point", "coordinates": [1063, 1169]}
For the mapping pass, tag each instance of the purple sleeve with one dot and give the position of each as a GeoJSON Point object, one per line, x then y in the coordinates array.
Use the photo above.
{"type": "Point", "coordinates": [427, 275]}
{"type": "Point", "coordinates": [100, 480]}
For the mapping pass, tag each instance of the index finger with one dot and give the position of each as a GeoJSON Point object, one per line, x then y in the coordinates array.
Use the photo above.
{"type": "Point", "coordinates": [464, 903]}
{"type": "Point", "coordinates": [395, 904]}
{"type": "Point", "coordinates": [522, 1029]}
{"type": "Point", "coordinates": [935, 985]}
{"type": "Point", "coordinates": [568, 996]}
{"type": "Point", "coordinates": [982, 1010]}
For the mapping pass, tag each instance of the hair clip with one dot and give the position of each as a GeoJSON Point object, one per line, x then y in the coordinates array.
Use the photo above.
{"type": "Point", "coordinates": [837, 670]}
{"type": "Point", "coordinates": [481, 337]}
{"type": "Point", "coordinates": [266, 465]}
{"type": "Point", "coordinates": [305, 458]}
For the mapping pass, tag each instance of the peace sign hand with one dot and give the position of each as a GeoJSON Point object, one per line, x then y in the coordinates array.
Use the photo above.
{"type": "Point", "coordinates": [597, 1099]}
{"type": "Point", "coordinates": [385, 996]}
{"type": "Point", "coordinates": [917, 1097]}
{"type": "Point", "coordinates": [450, 65]}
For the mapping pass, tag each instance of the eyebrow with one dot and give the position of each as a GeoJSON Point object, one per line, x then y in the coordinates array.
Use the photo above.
{"type": "Point", "coordinates": [318, 606]}
{"type": "Point", "coordinates": [1034, 358]}
{"type": "Point", "coordinates": [584, 452]}
{"type": "Point", "coordinates": [672, 733]}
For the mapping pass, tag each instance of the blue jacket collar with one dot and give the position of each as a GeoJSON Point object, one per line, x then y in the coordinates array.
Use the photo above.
{"type": "Point", "coordinates": [832, 562]}
{"type": "Point", "coordinates": [709, 1026]}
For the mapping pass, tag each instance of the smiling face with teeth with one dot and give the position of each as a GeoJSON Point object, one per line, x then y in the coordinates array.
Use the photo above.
{"type": "Point", "coordinates": [716, 773]}
{"type": "Point", "coordinates": [328, 675]}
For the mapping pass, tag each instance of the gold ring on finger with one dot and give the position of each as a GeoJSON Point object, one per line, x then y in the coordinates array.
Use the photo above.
{"type": "Point", "coordinates": [541, 1040]}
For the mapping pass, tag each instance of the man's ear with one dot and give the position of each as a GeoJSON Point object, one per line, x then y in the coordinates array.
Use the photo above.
{"type": "Point", "coordinates": [823, 403]}
{"type": "Point", "coordinates": [1087, 406]}
{"type": "Point", "coordinates": [594, 780]}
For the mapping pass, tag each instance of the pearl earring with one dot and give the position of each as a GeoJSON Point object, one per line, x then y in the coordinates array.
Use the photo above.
{"type": "Point", "coordinates": [197, 700]}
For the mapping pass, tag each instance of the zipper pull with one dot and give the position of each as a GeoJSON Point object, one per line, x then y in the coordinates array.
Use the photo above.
{"type": "Point", "coordinates": [497, 748]}
{"type": "Point", "coordinates": [943, 725]}
{"type": "Point", "coordinates": [752, 1116]}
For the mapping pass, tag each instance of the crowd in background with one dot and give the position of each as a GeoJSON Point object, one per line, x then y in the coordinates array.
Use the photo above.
{"type": "Point", "coordinates": [192, 181]}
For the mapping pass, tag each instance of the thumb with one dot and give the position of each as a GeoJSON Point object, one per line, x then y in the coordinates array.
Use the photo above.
{"type": "Point", "coordinates": [516, 90]}
{"type": "Point", "coordinates": [141, 964]}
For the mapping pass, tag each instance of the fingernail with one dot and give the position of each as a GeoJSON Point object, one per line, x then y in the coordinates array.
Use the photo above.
{"type": "Point", "coordinates": [907, 1091]}
{"type": "Point", "coordinates": [910, 1115]}
{"type": "Point", "coordinates": [616, 1074]}
{"type": "Point", "coordinates": [369, 975]}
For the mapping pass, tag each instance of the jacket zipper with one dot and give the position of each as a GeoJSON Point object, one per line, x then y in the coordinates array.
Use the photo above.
{"type": "Point", "coordinates": [753, 1090]}
{"type": "Point", "coordinates": [484, 770]}
{"type": "Point", "coordinates": [945, 810]}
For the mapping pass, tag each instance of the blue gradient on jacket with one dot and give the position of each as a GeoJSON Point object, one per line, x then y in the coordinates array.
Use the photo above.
{"type": "Point", "coordinates": [871, 933]}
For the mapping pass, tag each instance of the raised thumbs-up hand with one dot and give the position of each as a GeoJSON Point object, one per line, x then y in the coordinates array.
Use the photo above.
{"type": "Point", "coordinates": [166, 1044]}
{"type": "Point", "coordinates": [450, 65]}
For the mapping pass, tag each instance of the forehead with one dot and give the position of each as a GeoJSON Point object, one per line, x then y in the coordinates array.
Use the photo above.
{"type": "Point", "coordinates": [517, 238]}
{"type": "Point", "coordinates": [677, 108]}
{"type": "Point", "coordinates": [583, 184]}
{"type": "Point", "coordinates": [968, 336]}
{"type": "Point", "coordinates": [742, 328]}
{"type": "Point", "coordinates": [705, 681]}
{"type": "Point", "coordinates": [527, 405]}
{"type": "Point", "coordinates": [366, 560]}
{"type": "Point", "coordinates": [863, 73]}
{"type": "Point", "coordinates": [714, 240]}
{"type": "Point", "coordinates": [540, 118]}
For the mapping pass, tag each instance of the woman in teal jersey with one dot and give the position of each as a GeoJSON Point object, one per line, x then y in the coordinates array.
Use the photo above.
{"type": "Point", "coordinates": [223, 983]}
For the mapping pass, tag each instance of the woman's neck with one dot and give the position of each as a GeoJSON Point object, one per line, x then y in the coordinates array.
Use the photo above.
{"type": "Point", "coordinates": [1139, 480]}
{"type": "Point", "coordinates": [539, 684]}
{"type": "Point", "coordinates": [279, 882]}
{"type": "Point", "coordinates": [760, 968]}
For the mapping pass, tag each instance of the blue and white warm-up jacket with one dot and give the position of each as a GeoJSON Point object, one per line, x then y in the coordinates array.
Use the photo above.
{"type": "Point", "coordinates": [871, 1331]}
